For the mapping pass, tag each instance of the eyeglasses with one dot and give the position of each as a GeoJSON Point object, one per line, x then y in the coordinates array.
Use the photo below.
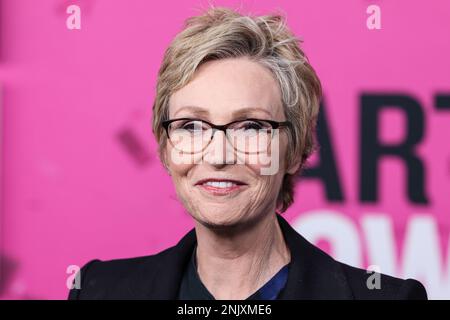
{"type": "Point", "coordinates": [189, 135]}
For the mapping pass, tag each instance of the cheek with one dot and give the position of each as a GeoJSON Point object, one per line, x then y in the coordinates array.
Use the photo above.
{"type": "Point", "coordinates": [272, 163]}
{"type": "Point", "coordinates": [177, 169]}
{"type": "Point", "coordinates": [269, 185]}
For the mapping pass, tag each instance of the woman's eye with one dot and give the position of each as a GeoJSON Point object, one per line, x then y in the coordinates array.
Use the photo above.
{"type": "Point", "coordinates": [252, 125]}
{"type": "Point", "coordinates": [193, 126]}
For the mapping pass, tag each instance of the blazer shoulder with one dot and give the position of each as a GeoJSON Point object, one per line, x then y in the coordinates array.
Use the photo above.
{"type": "Point", "coordinates": [109, 279]}
{"type": "Point", "coordinates": [378, 286]}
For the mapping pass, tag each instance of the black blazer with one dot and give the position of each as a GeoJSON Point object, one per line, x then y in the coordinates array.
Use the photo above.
{"type": "Point", "coordinates": [313, 275]}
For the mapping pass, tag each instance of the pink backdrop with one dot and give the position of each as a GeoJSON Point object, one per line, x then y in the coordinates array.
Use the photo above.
{"type": "Point", "coordinates": [81, 179]}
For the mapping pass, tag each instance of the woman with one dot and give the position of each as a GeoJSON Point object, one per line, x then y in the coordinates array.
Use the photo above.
{"type": "Point", "coordinates": [234, 116]}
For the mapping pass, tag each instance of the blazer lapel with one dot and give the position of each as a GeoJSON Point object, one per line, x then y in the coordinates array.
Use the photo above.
{"type": "Point", "coordinates": [313, 274]}
{"type": "Point", "coordinates": [165, 280]}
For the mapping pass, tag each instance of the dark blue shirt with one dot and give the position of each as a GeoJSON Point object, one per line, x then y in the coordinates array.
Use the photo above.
{"type": "Point", "coordinates": [192, 287]}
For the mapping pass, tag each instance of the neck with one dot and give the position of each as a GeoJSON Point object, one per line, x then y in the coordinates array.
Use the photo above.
{"type": "Point", "coordinates": [234, 264]}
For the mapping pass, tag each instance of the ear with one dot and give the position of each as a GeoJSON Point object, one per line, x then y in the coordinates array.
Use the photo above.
{"type": "Point", "coordinates": [294, 166]}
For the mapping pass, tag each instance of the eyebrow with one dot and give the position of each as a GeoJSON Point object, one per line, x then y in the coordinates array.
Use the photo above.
{"type": "Point", "coordinates": [194, 109]}
{"type": "Point", "coordinates": [246, 111]}
{"type": "Point", "coordinates": [198, 111]}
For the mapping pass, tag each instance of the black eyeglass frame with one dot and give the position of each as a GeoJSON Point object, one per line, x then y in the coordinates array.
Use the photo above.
{"type": "Point", "coordinates": [274, 124]}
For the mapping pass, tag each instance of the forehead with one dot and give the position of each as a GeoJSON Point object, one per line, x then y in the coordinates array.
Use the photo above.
{"type": "Point", "coordinates": [227, 87]}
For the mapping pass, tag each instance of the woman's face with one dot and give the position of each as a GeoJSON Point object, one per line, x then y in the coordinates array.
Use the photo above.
{"type": "Point", "coordinates": [223, 91]}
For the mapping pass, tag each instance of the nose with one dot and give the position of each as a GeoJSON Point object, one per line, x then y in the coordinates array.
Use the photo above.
{"type": "Point", "coordinates": [219, 151]}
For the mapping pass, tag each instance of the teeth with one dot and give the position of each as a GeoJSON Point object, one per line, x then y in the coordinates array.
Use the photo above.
{"type": "Point", "coordinates": [220, 184]}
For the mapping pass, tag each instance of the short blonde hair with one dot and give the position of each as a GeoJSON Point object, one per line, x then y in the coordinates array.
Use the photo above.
{"type": "Point", "coordinates": [221, 33]}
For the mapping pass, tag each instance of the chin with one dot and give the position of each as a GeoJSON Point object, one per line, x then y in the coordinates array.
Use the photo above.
{"type": "Point", "coordinates": [219, 221]}
{"type": "Point", "coordinates": [227, 224]}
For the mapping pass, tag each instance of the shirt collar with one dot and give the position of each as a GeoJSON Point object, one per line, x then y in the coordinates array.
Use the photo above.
{"type": "Point", "coordinates": [192, 288]}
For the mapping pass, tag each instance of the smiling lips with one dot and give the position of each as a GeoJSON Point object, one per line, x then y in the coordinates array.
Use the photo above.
{"type": "Point", "coordinates": [220, 186]}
